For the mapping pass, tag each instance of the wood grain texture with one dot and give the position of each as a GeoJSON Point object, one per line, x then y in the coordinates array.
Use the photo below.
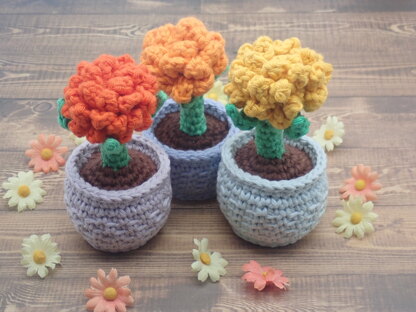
{"type": "Point", "coordinates": [370, 43]}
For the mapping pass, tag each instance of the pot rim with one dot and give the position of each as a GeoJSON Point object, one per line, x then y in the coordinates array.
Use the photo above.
{"type": "Point", "coordinates": [190, 154]}
{"type": "Point", "coordinates": [230, 147]}
{"type": "Point", "coordinates": [153, 182]}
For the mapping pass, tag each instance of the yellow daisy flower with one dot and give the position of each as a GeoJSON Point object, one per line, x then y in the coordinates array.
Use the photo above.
{"type": "Point", "coordinates": [23, 191]}
{"type": "Point", "coordinates": [356, 218]}
{"type": "Point", "coordinates": [207, 263]}
{"type": "Point", "coordinates": [38, 254]}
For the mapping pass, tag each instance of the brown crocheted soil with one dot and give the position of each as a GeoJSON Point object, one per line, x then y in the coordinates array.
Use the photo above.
{"type": "Point", "coordinates": [167, 131]}
{"type": "Point", "coordinates": [295, 163]}
{"type": "Point", "coordinates": [140, 168]}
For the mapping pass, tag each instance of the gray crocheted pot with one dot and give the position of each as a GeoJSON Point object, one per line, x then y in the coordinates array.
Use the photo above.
{"type": "Point", "coordinates": [118, 221]}
{"type": "Point", "coordinates": [193, 172]}
{"type": "Point", "coordinates": [272, 213]}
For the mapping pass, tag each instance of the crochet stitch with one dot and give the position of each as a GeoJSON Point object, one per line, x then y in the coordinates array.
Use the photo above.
{"type": "Point", "coordinates": [194, 172]}
{"type": "Point", "coordinates": [123, 220]}
{"type": "Point", "coordinates": [271, 213]}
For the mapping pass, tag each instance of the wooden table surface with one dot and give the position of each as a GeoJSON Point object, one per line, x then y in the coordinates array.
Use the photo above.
{"type": "Point", "coordinates": [372, 46]}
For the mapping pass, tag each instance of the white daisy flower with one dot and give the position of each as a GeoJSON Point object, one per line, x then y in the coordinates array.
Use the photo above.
{"type": "Point", "coordinates": [23, 191]}
{"type": "Point", "coordinates": [330, 134]}
{"type": "Point", "coordinates": [356, 218]}
{"type": "Point", "coordinates": [216, 93]}
{"type": "Point", "coordinates": [39, 253]}
{"type": "Point", "coordinates": [76, 139]}
{"type": "Point", "coordinates": [207, 262]}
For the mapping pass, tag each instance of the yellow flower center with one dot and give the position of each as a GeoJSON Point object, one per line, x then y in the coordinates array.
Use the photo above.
{"type": "Point", "coordinates": [213, 96]}
{"type": "Point", "coordinates": [39, 257]}
{"type": "Point", "coordinates": [46, 153]}
{"type": "Point", "coordinates": [356, 217]}
{"type": "Point", "coordinates": [264, 273]}
{"type": "Point", "coordinates": [329, 134]}
{"type": "Point", "coordinates": [23, 190]}
{"type": "Point", "coordinates": [110, 293]}
{"type": "Point", "coordinates": [205, 258]}
{"type": "Point", "coordinates": [360, 185]}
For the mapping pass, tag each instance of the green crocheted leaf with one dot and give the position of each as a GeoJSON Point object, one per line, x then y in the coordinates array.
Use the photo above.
{"type": "Point", "coordinates": [162, 97]}
{"type": "Point", "coordinates": [240, 120]}
{"type": "Point", "coordinates": [114, 154]}
{"type": "Point", "coordinates": [62, 121]}
{"type": "Point", "coordinates": [298, 128]}
{"type": "Point", "coordinates": [192, 117]}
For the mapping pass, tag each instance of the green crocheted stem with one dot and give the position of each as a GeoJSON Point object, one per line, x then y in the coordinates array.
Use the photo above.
{"type": "Point", "coordinates": [192, 117]}
{"type": "Point", "coordinates": [240, 120]}
{"type": "Point", "coordinates": [62, 121]}
{"type": "Point", "coordinates": [161, 99]}
{"type": "Point", "coordinates": [114, 154]}
{"type": "Point", "coordinates": [298, 128]}
{"type": "Point", "coordinates": [269, 140]}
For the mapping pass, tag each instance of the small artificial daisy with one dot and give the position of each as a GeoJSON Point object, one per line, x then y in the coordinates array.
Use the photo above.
{"type": "Point", "coordinates": [263, 276]}
{"type": "Point", "coordinates": [46, 154]}
{"type": "Point", "coordinates": [76, 139]}
{"type": "Point", "coordinates": [363, 183]}
{"type": "Point", "coordinates": [216, 93]}
{"type": "Point", "coordinates": [330, 134]}
{"type": "Point", "coordinates": [23, 191]}
{"type": "Point", "coordinates": [109, 293]}
{"type": "Point", "coordinates": [39, 253]}
{"type": "Point", "coordinates": [356, 218]}
{"type": "Point", "coordinates": [207, 262]}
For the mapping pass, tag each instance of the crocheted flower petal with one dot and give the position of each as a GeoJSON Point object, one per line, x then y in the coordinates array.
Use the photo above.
{"type": "Point", "coordinates": [196, 266]}
{"type": "Point", "coordinates": [42, 271]}
{"type": "Point", "coordinates": [92, 303]}
{"type": "Point", "coordinates": [203, 275]}
{"type": "Point", "coordinates": [96, 283]}
{"type": "Point", "coordinates": [359, 231]}
{"type": "Point", "coordinates": [375, 186]}
{"type": "Point", "coordinates": [92, 292]}
{"type": "Point", "coordinates": [32, 270]}
{"type": "Point", "coordinates": [213, 275]}
{"type": "Point", "coordinates": [112, 276]}
{"type": "Point", "coordinates": [123, 281]}
{"type": "Point", "coordinates": [259, 284]}
{"type": "Point", "coordinates": [204, 245]}
{"type": "Point", "coordinates": [120, 306]}
{"type": "Point", "coordinates": [368, 227]}
{"type": "Point", "coordinates": [341, 228]}
{"type": "Point", "coordinates": [348, 231]}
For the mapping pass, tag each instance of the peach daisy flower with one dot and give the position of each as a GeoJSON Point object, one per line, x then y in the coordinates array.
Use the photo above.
{"type": "Point", "coordinates": [363, 184]}
{"type": "Point", "coordinates": [262, 276]}
{"type": "Point", "coordinates": [46, 154]}
{"type": "Point", "coordinates": [109, 293]}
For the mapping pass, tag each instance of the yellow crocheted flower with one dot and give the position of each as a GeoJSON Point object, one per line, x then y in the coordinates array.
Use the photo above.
{"type": "Point", "coordinates": [275, 80]}
{"type": "Point", "coordinates": [207, 263]}
{"type": "Point", "coordinates": [356, 218]}
{"type": "Point", "coordinates": [23, 191]}
{"type": "Point", "coordinates": [39, 253]}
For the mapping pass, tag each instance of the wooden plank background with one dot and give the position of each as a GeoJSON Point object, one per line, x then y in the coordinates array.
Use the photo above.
{"type": "Point", "coordinates": [372, 47]}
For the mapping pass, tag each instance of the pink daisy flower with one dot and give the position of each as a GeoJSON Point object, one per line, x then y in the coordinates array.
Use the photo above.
{"type": "Point", "coordinates": [362, 184]}
{"type": "Point", "coordinates": [46, 154]}
{"type": "Point", "coordinates": [262, 276]}
{"type": "Point", "coordinates": [109, 293]}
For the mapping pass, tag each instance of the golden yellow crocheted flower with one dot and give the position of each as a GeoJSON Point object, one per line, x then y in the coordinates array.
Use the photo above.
{"type": "Point", "coordinates": [275, 80]}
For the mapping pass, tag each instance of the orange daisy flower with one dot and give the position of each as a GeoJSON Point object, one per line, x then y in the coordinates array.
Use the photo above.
{"type": "Point", "coordinates": [362, 184]}
{"type": "Point", "coordinates": [46, 154]}
{"type": "Point", "coordinates": [109, 293]}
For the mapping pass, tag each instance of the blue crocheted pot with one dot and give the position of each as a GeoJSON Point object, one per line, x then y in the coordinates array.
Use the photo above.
{"type": "Point", "coordinates": [272, 213]}
{"type": "Point", "coordinates": [193, 172]}
{"type": "Point", "coordinates": [118, 221]}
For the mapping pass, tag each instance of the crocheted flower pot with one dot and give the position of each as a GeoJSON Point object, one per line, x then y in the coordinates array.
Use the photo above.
{"type": "Point", "coordinates": [272, 213]}
{"type": "Point", "coordinates": [193, 172]}
{"type": "Point", "coordinates": [123, 220]}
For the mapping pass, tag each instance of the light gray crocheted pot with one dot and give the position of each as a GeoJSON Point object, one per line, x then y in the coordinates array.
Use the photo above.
{"type": "Point", "coordinates": [272, 213]}
{"type": "Point", "coordinates": [118, 221]}
{"type": "Point", "coordinates": [194, 172]}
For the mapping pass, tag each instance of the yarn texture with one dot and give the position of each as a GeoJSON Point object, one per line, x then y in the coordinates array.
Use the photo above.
{"type": "Point", "coordinates": [123, 220]}
{"type": "Point", "coordinates": [184, 57]}
{"type": "Point", "coordinates": [271, 213]}
{"type": "Point", "coordinates": [109, 98]}
{"type": "Point", "coordinates": [194, 172]}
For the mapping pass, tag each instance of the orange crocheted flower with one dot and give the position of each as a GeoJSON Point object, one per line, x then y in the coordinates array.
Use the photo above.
{"type": "Point", "coordinates": [263, 276]}
{"type": "Point", "coordinates": [184, 57]}
{"type": "Point", "coordinates": [109, 98]}
{"type": "Point", "coordinates": [362, 184]}
{"type": "Point", "coordinates": [46, 154]}
{"type": "Point", "coordinates": [109, 293]}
